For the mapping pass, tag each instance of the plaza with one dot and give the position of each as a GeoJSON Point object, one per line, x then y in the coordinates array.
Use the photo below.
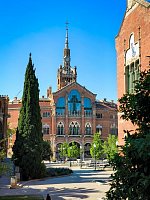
{"type": "Point", "coordinates": [85, 183]}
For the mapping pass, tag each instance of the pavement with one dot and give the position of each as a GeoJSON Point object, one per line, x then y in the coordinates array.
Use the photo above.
{"type": "Point", "coordinates": [82, 184]}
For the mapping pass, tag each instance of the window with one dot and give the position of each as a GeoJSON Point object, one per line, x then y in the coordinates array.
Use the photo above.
{"type": "Point", "coordinates": [99, 129]}
{"type": "Point", "coordinates": [60, 106]}
{"type": "Point", "coordinates": [46, 114]}
{"type": "Point", "coordinates": [74, 102]}
{"type": "Point", "coordinates": [88, 129]}
{"type": "Point", "coordinates": [131, 75]}
{"type": "Point", "coordinates": [45, 129]}
{"type": "Point", "coordinates": [87, 107]}
{"type": "Point", "coordinates": [98, 115]}
{"type": "Point", "coordinates": [60, 128]}
{"type": "Point", "coordinates": [74, 128]}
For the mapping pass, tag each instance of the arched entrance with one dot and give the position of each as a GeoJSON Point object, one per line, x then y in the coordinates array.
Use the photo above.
{"type": "Point", "coordinates": [87, 147]}
{"type": "Point", "coordinates": [57, 151]}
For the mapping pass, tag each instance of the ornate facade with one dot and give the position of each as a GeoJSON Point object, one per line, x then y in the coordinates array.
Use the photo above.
{"type": "Point", "coordinates": [72, 113]}
{"type": "Point", "coordinates": [133, 52]}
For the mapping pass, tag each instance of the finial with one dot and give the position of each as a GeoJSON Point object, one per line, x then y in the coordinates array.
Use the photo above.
{"type": "Point", "coordinates": [66, 41]}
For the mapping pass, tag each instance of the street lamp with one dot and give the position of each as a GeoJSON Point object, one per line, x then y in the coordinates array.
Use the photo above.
{"type": "Point", "coordinates": [70, 154]}
{"type": "Point", "coordinates": [81, 156]}
{"type": "Point", "coordinates": [94, 145]}
{"type": "Point", "coordinates": [63, 155]}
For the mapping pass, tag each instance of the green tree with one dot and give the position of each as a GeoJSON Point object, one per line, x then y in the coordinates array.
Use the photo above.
{"type": "Point", "coordinates": [110, 147]}
{"type": "Point", "coordinates": [96, 149]}
{"type": "Point", "coordinates": [63, 150]}
{"type": "Point", "coordinates": [73, 151]}
{"type": "Point", "coordinates": [131, 179]}
{"type": "Point", "coordinates": [28, 144]}
{"type": "Point", "coordinates": [46, 151]}
{"type": "Point", "coordinates": [4, 168]}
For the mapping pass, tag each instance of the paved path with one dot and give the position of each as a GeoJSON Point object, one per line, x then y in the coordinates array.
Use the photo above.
{"type": "Point", "coordinates": [82, 184]}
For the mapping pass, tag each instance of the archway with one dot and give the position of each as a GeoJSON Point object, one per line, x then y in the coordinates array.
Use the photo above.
{"type": "Point", "coordinates": [87, 147]}
{"type": "Point", "coordinates": [57, 151]}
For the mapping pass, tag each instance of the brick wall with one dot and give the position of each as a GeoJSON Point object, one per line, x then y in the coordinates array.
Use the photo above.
{"type": "Point", "coordinates": [138, 18]}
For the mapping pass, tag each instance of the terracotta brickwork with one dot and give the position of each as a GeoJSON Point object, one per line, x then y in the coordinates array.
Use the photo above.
{"type": "Point", "coordinates": [106, 110]}
{"type": "Point", "coordinates": [72, 113]}
{"type": "Point", "coordinates": [3, 119]}
{"type": "Point", "coordinates": [137, 22]}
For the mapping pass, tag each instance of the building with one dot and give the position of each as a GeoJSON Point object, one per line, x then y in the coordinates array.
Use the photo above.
{"type": "Point", "coordinates": [3, 118]}
{"type": "Point", "coordinates": [133, 51]}
{"type": "Point", "coordinates": [72, 113]}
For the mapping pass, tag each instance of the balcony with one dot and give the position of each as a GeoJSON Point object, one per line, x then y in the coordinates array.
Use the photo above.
{"type": "Point", "coordinates": [74, 113]}
{"type": "Point", "coordinates": [87, 113]}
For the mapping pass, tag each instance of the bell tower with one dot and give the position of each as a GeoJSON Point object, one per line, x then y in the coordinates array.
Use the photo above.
{"type": "Point", "coordinates": [66, 74]}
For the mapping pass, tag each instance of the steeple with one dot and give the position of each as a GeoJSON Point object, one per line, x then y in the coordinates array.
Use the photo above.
{"type": "Point", "coordinates": [66, 74]}
{"type": "Point", "coordinates": [66, 50]}
{"type": "Point", "coordinates": [66, 41]}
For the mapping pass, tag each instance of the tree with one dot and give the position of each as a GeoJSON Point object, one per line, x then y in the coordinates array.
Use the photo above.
{"type": "Point", "coordinates": [110, 147]}
{"type": "Point", "coordinates": [46, 151]}
{"type": "Point", "coordinates": [96, 149]}
{"type": "Point", "coordinates": [4, 168]}
{"type": "Point", "coordinates": [63, 150]}
{"type": "Point", "coordinates": [132, 165]}
{"type": "Point", "coordinates": [73, 151]}
{"type": "Point", "coordinates": [27, 150]}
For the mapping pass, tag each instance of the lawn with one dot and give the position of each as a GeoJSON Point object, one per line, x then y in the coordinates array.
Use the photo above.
{"type": "Point", "coordinates": [26, 197]}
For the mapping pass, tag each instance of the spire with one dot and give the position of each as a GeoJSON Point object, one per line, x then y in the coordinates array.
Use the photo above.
{"type": "Point", "coordinates": [66, 41]}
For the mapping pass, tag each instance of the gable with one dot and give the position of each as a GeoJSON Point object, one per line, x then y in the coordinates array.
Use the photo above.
{"type": "Point", "coordinates": [137, 3]}
{"type": "Point", "coordinates": [73, 86]}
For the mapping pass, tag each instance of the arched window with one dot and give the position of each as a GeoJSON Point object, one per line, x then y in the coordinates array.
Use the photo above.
{"type": "Point", "coordinates": [132, 65]}
{"type": "Point", "coordinates": [99, 129]}
{"type": "Point", "coordinates": [88, 129]}
{"type": "Point", "coordinates": [60, 106]}
{"type": "Point", "coordinates": [74, 102]}
{"type": "Point", "coordinates": [74, 128]}
{"type": "Point", "coordinates": [45, 129]}
{"type": "Point", "coordinates": [87, 107]}
{"type": "Point", "coordinates": [60, 128]}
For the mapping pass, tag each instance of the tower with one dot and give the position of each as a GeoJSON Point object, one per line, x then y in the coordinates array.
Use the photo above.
{"type": "Point", "coordinates": [66, 74]}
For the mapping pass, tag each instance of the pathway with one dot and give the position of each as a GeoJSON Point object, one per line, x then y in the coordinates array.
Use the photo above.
{"type": "Point", "coordinates": [82, 184]}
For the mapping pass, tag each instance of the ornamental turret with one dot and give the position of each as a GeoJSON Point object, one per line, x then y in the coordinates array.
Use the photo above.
{"type": "Point", "coordinates": [66, 74]}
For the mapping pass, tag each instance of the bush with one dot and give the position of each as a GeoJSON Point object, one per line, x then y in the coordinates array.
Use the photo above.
{"type": "Point", "coordinates": [58, 171]}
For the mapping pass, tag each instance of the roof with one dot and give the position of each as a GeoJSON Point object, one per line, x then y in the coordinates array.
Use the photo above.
{"type": "Point", "coordinates": [106, 104]}
{"type": "Point", "coordinates": [74, 84]}
{"type": "Point", "coordinates": [143, 3]}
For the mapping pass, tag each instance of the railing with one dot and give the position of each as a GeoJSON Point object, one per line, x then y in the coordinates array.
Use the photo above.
{"type": "Point", "coordinates": [87, 113]}
{"type": "Point", "coordinates": [74, 114]}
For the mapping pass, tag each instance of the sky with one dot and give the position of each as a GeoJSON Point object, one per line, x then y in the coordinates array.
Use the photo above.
{"type": "Point", "coordinates": [38, 26]}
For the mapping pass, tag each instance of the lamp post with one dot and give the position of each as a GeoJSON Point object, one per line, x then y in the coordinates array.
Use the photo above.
{"type": "Point", "coordinates": [81, 156]}
{"type": "Point", "coordinates": [94, 145]}
{"type": "Point", "coordinates": [70, 155]}
{"type": "Point", "coordinates": [63, 155]}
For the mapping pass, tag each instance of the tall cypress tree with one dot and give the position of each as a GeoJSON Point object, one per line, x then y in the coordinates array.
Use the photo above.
{"type": "Point", "coordinates": [28, 145]}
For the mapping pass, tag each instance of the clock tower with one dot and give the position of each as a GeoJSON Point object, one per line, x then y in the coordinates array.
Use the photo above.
{"type": "Point", "coordinates": [66, 74]}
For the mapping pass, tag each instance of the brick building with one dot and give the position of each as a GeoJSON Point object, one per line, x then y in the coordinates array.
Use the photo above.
{"type": "Point", "coordinates": [72, 113]}
{"type": "Point", "coordinates": [133, 51]}
{"type": "Point", "coordinates": [3, 117]}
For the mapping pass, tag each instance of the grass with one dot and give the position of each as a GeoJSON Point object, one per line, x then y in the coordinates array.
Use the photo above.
{"type": "Point", "coordinates": [25, 197]}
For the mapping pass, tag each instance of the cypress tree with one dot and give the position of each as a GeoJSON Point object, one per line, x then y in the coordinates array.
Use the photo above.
{"type": "Point", "coordinates": [28, 145]}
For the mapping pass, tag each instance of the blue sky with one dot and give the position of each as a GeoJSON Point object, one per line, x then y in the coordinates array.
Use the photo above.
{"type": "Point", "coordinates": [39, 27]}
